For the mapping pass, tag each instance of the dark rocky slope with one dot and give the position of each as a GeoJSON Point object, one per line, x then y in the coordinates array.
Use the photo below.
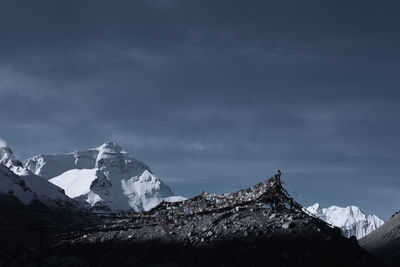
{"type": "Point", "coordinates": [260, 237]}
{"type": "Point", "coordinates": [25, 228]}
{"type": "Point", "coordinates": [385, 241]}
{"type": "Point", "coordinates": [258, 226]}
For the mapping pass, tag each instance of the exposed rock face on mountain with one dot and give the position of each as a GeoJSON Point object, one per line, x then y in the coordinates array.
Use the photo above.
{"type": "Point", "coordinates": [385, 241]}
{"type": "Point", "coordinates": [237, 237]}
{"type": "Point", "coordinates": [351, 220]}
{"type": "Point", "coordinates": [106, 177]}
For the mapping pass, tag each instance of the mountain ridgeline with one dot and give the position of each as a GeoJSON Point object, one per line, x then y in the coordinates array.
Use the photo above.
{"type": "Point", "coordinates": [106, 177]}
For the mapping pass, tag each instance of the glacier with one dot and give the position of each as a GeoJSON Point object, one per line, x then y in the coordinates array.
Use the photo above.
{"type": "Point", "coordinates": [351, 220]}
{"type": "Point", "coordinates": [105, 177]}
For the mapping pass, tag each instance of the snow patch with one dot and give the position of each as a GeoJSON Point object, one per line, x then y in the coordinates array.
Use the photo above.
{"type": "Point", "coordinates": [75, 182]}
{"type": "Point", "coordinates": [93, 198]}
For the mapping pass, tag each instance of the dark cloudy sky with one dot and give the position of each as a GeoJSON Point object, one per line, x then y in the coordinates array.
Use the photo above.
{"type": "Point", "coordinates": [213, 95]}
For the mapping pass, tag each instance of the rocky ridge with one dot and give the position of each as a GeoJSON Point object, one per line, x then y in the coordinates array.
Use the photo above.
{"type": "Point", "coordinates": [236, 237]}
{"type": "Point", "coordinates": [385, 241]}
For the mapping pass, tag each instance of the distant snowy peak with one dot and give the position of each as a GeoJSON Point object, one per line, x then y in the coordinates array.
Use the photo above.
{"type": "Point", "coordinates": [145, 191]}
{"type": "Point", "coordinates": [351, 219]}
{"type": "Point", "coordinates": [106, 177]}
{"type": "Point", "coordinates": [108, 156]}
{"type": "Point", "coordinates": [337, 215]}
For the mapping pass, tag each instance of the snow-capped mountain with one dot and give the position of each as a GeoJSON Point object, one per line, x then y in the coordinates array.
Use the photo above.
{"type": "Point", "coordinates": [106, 177]}
{"type": "Point", "coordinates": [351, 220]}
{"type": "Point", "coordinates": [21, 183]}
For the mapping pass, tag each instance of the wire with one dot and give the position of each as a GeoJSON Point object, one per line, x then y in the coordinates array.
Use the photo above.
{"type": "Point", "coordinates": [309, 206]}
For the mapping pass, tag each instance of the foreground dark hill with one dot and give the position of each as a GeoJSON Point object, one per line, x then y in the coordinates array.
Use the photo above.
{"type": "Point", "coordinates": [246, 237]}
{"type": "Point", "coordinates": [28, 204]}
{"type": "Point", "coordinates": [385, 241]}
{"type": "Point", "coordinates": [24, 225]}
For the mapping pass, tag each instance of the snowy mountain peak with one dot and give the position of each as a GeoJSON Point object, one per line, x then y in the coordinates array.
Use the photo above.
{"type": "Point", "coordinates": [110, 147]}
{"type": "Point", "coordinates": [148, 177]}
{"type": "Point", "coordinates": [109, 150]}
{"type": "Point", "coordinates": [350, 219]}
{"type": "Point", "coordinates": [7, 157]}
{"type": "Point", "coordinates": [106, 177]}
{"type": "Point", "coordinates": [109, 157]}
